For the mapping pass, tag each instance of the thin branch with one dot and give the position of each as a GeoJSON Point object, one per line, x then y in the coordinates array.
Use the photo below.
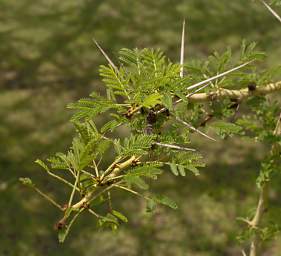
{"type": "Point", "coordinates": [114, 178]}
{"type": "Point", "coordinates": [94, 213]}
{"type": "Point", "coordinates": [109, 201]}
{"type": "Point", "coordinates": [96, 168]}
{"type": "Point", "coordinates": [263, 195]}
{"type": "Point", "coordinates": [74, 188]}
{"type": "Point", "coordinates": [132, 191]}
{"type": "Point", "coordinates": [61, 179]}
{"type": "Point", "coordinates": [71, 223]}
{"type": "Point", "coordinates": [257, 218]}
{"type": "Point", "coordinates": [48, 198]}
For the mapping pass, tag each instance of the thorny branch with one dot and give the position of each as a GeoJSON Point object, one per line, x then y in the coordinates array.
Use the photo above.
{"type": "Point", "coordinates": [263, 194]}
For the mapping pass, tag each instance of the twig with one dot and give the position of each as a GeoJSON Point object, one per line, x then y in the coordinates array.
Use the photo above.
{"type": "Point", "coordinates": [74, 188]}
{"type": "Point", "coordinates": [254, 223]}
{"type": "Point", "coordinates": [52, 201]}
{"type": "Point", "coordinates": [94, 213]}
{"type": "Point", "coordinates": [96, 168]}
{"type": "Point", "coordinates": [132, 191]}
{"type": "Point", "coordinates": [109, 201]}
{"type": "Point", "coordinates": [113, 178]}
{"type": "Point", "coordinates": [61, 179]}
{"type": "Point", "coordinates": [88, 173]}
{"type": "Point", "coordinates": [70, 224]}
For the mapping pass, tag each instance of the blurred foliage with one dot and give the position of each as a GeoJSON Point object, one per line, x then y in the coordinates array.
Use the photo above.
{"type": "Point", "coordinates": [48, 59]}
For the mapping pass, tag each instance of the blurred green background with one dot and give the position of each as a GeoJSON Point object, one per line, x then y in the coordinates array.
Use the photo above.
{"type": "Point", "coordinates": [48, 59]}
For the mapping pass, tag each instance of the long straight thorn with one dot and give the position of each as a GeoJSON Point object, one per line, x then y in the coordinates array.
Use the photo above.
{"type": "Point", "coordinates": [193, 128]}
{"type": "Point", "coordinates": [219, 75]}
{"type": "Point", "coordinates": [271, 10]}
{"type": "Point", "coordinates": [182, 48]}
{"type": "Point", "coordinates": [104, 54]}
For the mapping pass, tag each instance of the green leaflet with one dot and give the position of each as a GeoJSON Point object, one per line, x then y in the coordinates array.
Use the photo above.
{"type": "Point", "coordinates": [152, 100]}
{"type": "Point", "coordinates": [223, 128]}
{"type": "Point", "coordinates": [42, 164]}
{"type": "Point", "coordinates": [146, 171]}
{"type": "Point", "coordinates": [174, 169]}
{"type": "Point", "coordinates": [179, 169]}
{"type": "Point", "coordinates": [86, 182]}
{"type": "Point", "coordinates": [164, 200]}
{"type": "Point", "coordinates": [115, 79]}
{"type": "Point", "coordinates": [120, 216]}
{"type": "Point", "coordinates": [276, 2]}
{"type": "Point", "coordinates": [186, 161]}
{"type": "Point", "coordinates": [63, 232]}
{"type": "Point", "coordinates": [130, 57]}
{"type": "Point", "coordinates": [109, 221]}
{"type": "Point", "coordinates": [89, 108]}
{"type": "Point", "coordinates": [134, 145]}
{"type": "Point", "coordinates": [85, 148]}
{"type": "Point", "coordinates": [26, 181]}
{"type": "Point", "coordinates": [137, 181]}
{"type": "Point", "coordinates": [110, 126]}
{"type": "Point", "coordinates": [167, 101]}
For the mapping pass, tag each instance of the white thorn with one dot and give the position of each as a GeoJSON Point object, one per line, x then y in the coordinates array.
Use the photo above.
{"type": "Point", "coordinates": [219, 75]}
{"type": "Point", "coordinates": [193, 128]}
{"type": "Point", "coordinates": [271, 10]}
{"type": "Point", "coordinates": [104, 54]}
{"type": "Point", "coordinates": [182, 49]}
{"type": "Point", "coordinates": [174, 146]}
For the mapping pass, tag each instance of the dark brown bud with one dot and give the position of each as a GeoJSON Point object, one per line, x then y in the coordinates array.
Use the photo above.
{"type": "Point", "coordinates": [135, 163]}
{"type": "Point", "coordinates": [252, 86]}
{"type": "Point", "coordinates": [233, 106]}
{"type": "Point", "coordinates": [85, 205]}
{"type": "Point", "coordinates": [142, 110]}
{"type": "Point", "coordinates": [64, 207]}
{"type": "Point", "coordinates": [151, 118]}
{"type": "Point", "coordinates": [60, 225]}
{"type": "Point", "coordinates": [167, 112]}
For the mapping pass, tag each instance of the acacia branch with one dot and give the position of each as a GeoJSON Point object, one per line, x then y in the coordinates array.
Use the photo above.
{"type": "Point", "coordinates": [235, 94]}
